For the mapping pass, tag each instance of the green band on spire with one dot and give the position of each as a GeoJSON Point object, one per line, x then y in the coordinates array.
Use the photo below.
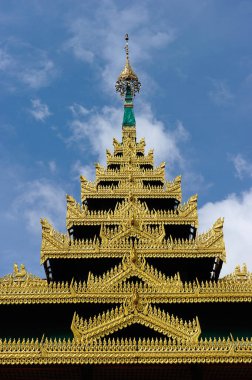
{"type": "Point", "coordinates": [128, 117]}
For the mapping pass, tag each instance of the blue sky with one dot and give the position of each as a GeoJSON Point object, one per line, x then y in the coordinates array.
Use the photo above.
{"type": "Point", "coordinates": [59, 61]}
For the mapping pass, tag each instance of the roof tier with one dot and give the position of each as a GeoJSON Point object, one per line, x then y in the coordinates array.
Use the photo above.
{"type": "Point", "coordinates": [56, 245]}
{"type": "Point", "coordinates": [236, 287]}
{"type": "Point", "coordinates": [130, 209]}
{"type": "Point", "coordinates": [138, 189]}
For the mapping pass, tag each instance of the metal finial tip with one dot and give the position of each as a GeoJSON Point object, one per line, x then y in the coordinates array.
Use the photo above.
{"type": "Point", "coordinates": [127, 79]}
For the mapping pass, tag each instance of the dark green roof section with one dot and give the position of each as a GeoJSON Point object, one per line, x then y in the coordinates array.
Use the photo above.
{"type": "Point", "coordinates": [128, 117]}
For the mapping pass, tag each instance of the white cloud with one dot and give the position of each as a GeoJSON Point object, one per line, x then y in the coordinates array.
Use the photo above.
{"type": "Point", "coordinates": [52, 166]}
{"type": "Point", "coordinates": [109, 21]}
{"type": "Point", "coordinates": [78, 45]}
{"type": "Point", "coordinates": [87, 171]}
{"type": "Point", "coordinates": [39, 75]}
{"type": "Point", "coordinates": [237, 211]}
{"type": "Point", "coordinates": [221, 94]}
{"type": "Point", "coordinates": [93, 131]}
{"type": "Point", "coordinates": [97, 130]}
{"type": "Point", "coordinates": [193, 182]}
{"type": "Point", "coordinates": [165, 141]}
{"type": "Point", "coordinates": [39, 199]}
{"type": "Point", "coordinates": [78, 110]}
{"type": "Point", "coordinates": [40, 111]}
{"type": "Point", "coordinates": [248, 79]}
{"type": "Point", "coordinates": [23, 63]}
{"type": "Point", "coordinates": [243, 168]}
{"type": "Point", "coordinates": [47, 166]}
{"type": "Point", "coordinates": [5, 60]}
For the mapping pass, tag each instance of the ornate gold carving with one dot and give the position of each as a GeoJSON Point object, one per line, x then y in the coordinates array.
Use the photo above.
{"type": "Point", "coordinates": [80, 215]}
{"type": "Point", "coordinates": [19, 275]}
{"type": "Point", "coordinates": [134, 265]}
{"type": "Point", "coordinates": [56, 245]}
{"type": "Point", "coordinates": [137, 188]}
{"type": "Point", "coordinates": [112, 288]}
{"type": "Point", "coordinates": [239, 274]}
{"type": "Point", "coordinates": [135, 311]}
{"type": "Point", "coordinates": [130, 157]}
{"type": "Point", "coordinates": [123, 351]}
{"type": "Point", "coordinates": [124, 173]}
{"type": "Point", "coordinates": [130, 175]}
{"type": "Point", "coordinates": [133, 171]}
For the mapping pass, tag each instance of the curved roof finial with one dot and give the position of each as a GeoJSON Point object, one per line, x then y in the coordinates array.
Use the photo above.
{"type": "Point", "coordinates": [127, 79]}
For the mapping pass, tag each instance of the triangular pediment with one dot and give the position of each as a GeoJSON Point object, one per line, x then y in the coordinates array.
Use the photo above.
{"type": "Point", "coordinates": [135, 311]}
{"type": "Point", "coordinates": [133, 265]}
{"type": "Point", "coordinates": [132, 227]}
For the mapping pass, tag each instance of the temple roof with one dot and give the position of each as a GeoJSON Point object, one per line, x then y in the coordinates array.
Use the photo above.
{"type": "Point", "coordinates": [130, 245]}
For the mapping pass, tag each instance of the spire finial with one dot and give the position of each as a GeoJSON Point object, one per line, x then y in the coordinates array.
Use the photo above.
{"type": "Point", "coordinates": [127, 79]}
{"type": "Point", "coordinates": [127, 46]}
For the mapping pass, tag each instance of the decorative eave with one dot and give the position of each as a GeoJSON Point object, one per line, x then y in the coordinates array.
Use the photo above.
{"type": "Point", "coordinates": [135, 160]}
{"type": "Point", "coordinates": [58, 293]}
{"type": "Point", "coordinates": [80, 215]}
{"type": "Point", "coordinates": [123, 148]}
{"type": "Point", "coordinates": [169, 190]}
{"type": "Point", "coordinates": [59, 246]}
{"type": "Point", "coordinates": [125, 351]}
{"type": "Point", "coordinates": [130, 172]}
{"type": "Point", "coordinates": [32, 290]}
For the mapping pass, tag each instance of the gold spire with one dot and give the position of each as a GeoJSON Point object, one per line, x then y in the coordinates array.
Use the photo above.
{"type": "Point", "coordinates": [127, 78]}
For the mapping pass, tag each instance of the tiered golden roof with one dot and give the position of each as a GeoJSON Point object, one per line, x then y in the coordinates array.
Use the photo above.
{"type": "Point", "coordinates": [127, 227]}
{"type": "Point", "coordinates": [134, 173]}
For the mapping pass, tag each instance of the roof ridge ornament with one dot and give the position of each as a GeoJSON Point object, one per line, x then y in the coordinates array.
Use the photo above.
{"type": "Point", "coordinates": [128, 78]}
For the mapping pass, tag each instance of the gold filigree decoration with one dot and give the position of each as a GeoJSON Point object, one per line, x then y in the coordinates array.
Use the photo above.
{"type": "Point", "coordinates": [121, 188]}
{"type": "Point", "coordinates": [127, 169]}
{"type": "Point", "coordinates": [130, 175]}
{"type": "Point", "coordinates": [133, 265]}
{"type": "Point", "coordinates": [184, 214]}
{"type": "Point", "coordinates": [240, 273]}
{"type": "Point", "coordinates": [56, 245]}
{"type": "Point", "coordinates": [125, 351]}
{"type": "Point", "coordinates": [124, 173]}
{"type": "Point", "coordinates": [108, 289]}
{"type": "Point", "coordinates": [18, 275]}
{"type": "Point", "coordinates": [135, 311]}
